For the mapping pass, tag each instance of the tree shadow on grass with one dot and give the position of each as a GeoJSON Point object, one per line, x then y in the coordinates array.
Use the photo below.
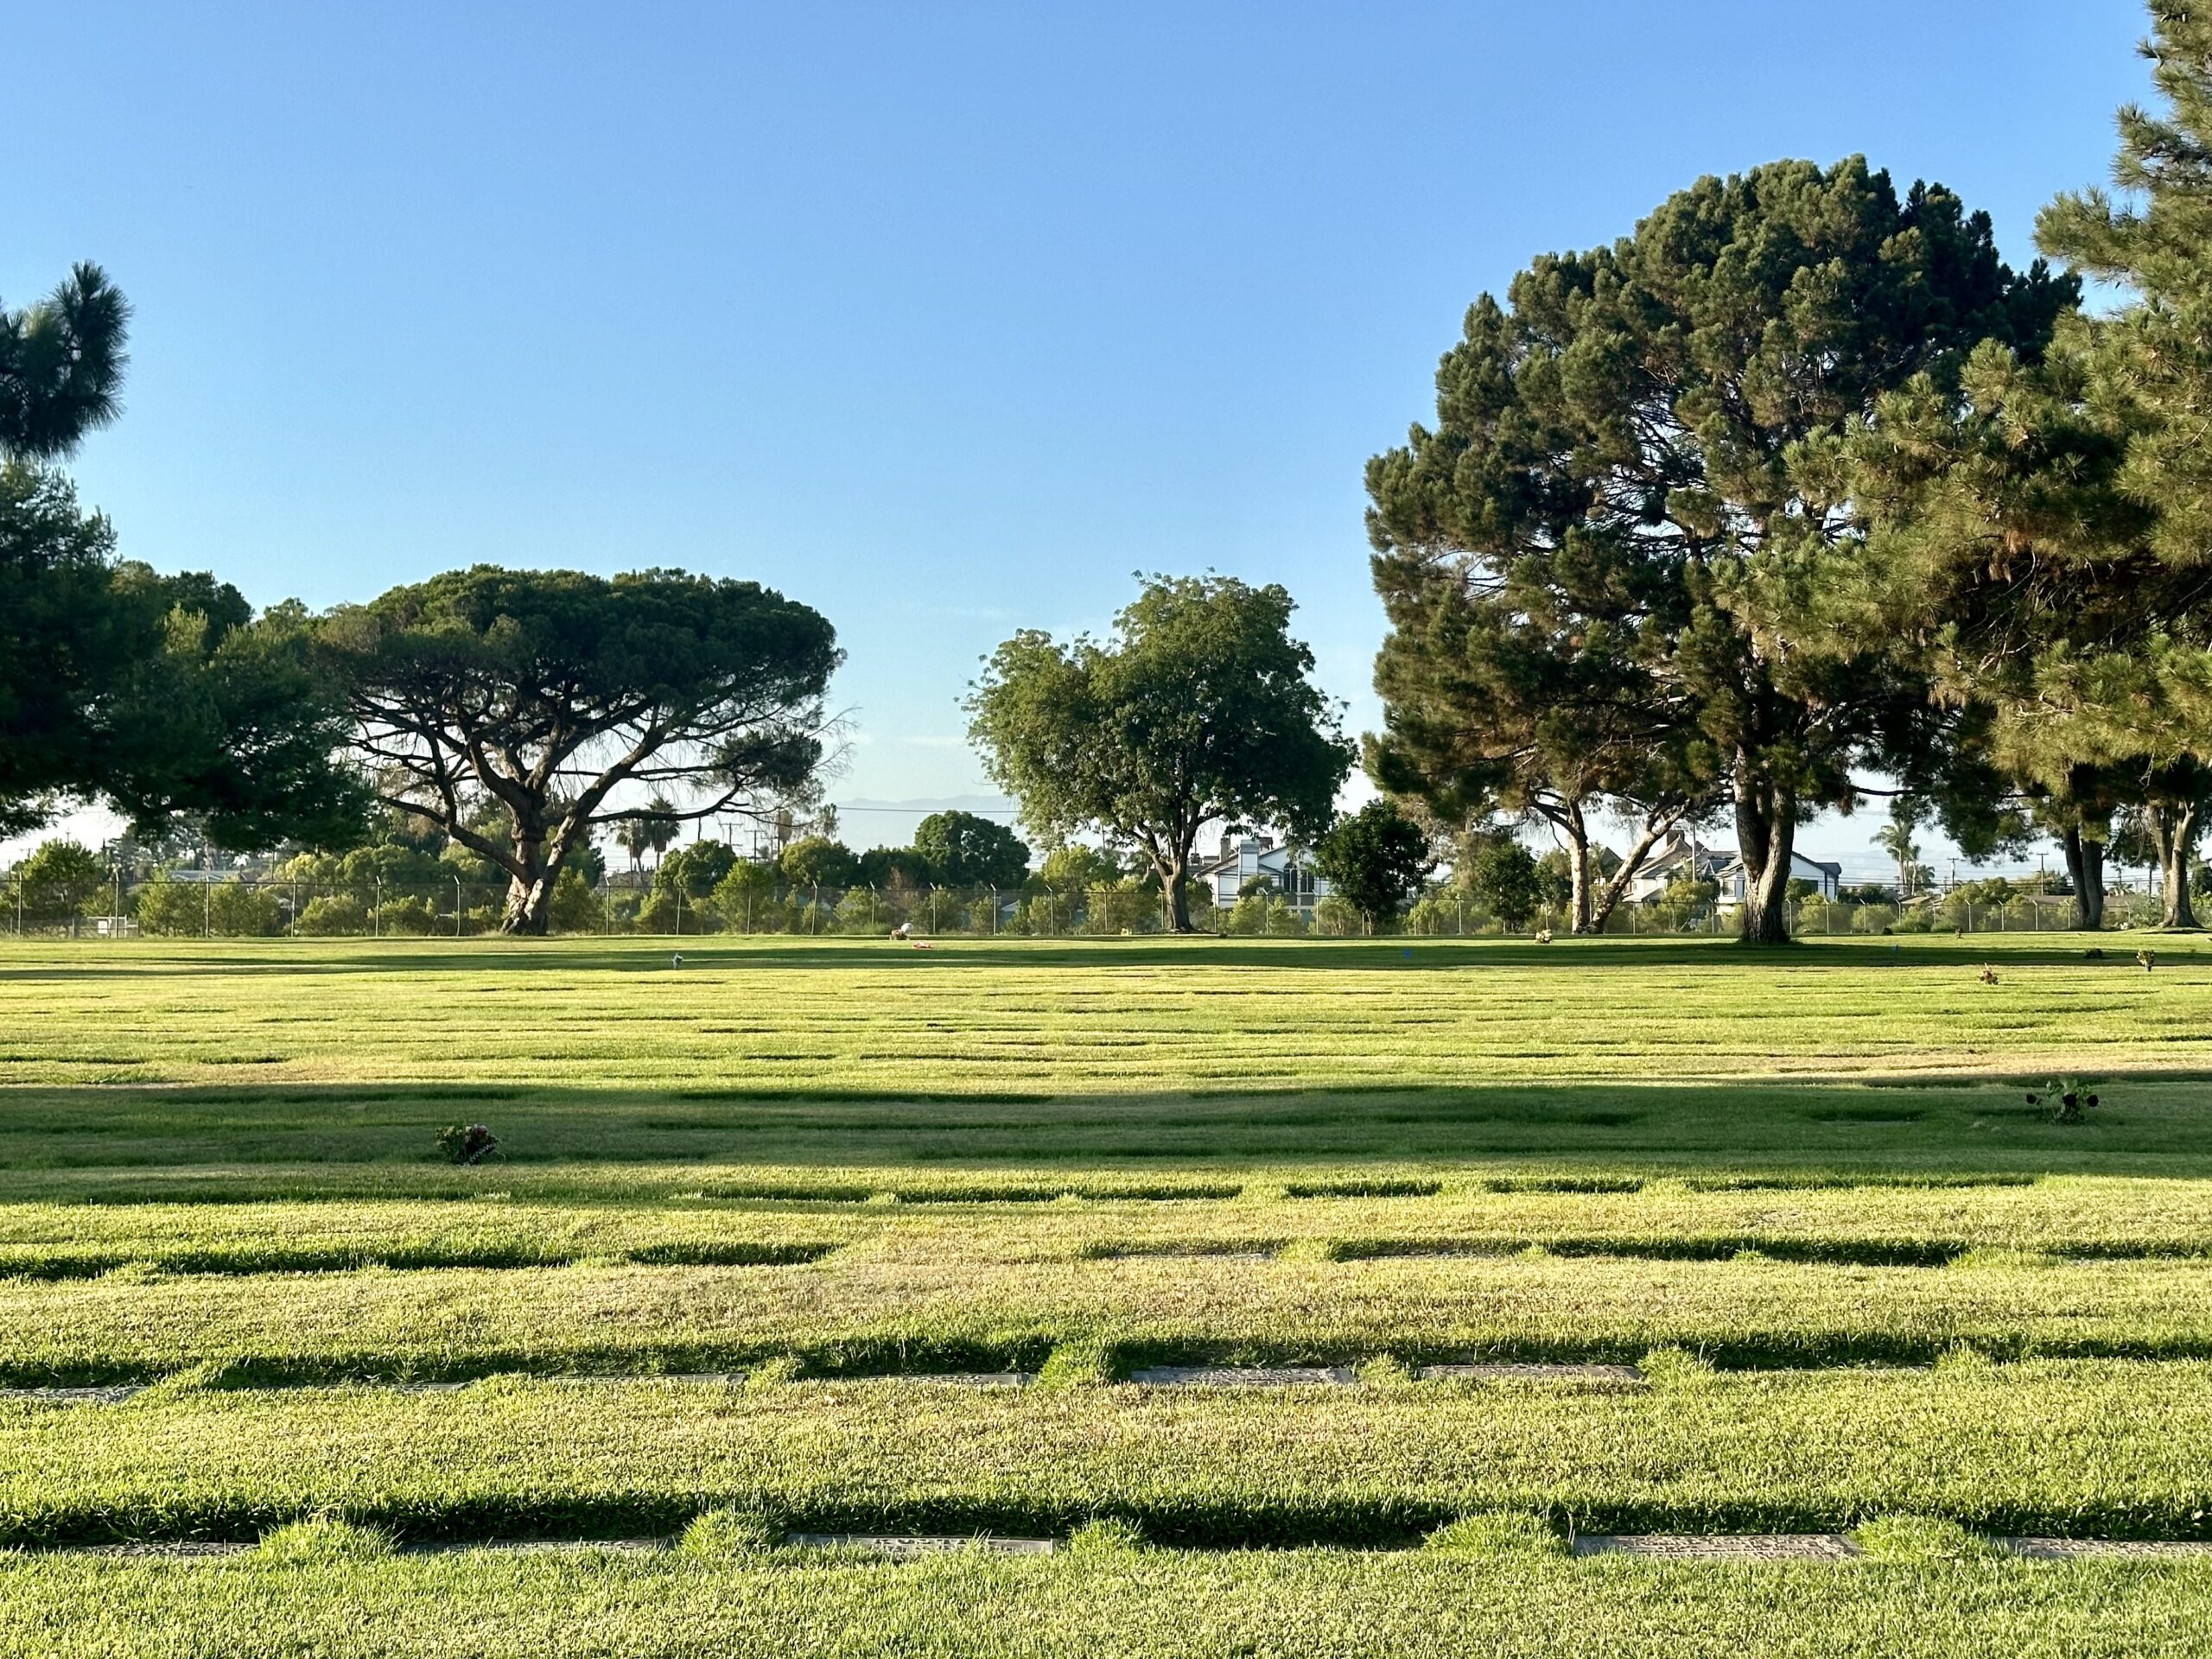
{"type": "Point", "coordinates": [66, 960]}
{"type": "Point", "coordinates": [81, 1142]}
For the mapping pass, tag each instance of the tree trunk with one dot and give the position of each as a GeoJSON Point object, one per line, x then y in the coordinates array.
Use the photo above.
{"type": "Point", "coordinates": [1609, 892]}
{"type": "Point", "coordinates": [1578, 868]}
{"type": "Point", "coordinates": [1172, 874]}
{"type": "Point", "coordinates": [530, 885]}
{"type": "Point", "coordinates": [2085, 869]}
{"type": "Point", "coordinates": [2173, 832]}
{"type": "Point", "coordinates": [1766, 831]}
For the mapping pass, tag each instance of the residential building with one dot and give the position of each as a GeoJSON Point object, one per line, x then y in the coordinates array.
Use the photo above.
{"type": "Point", "coordinates": [1245, 860]}
{"type": "Point", "coordinates": [1687, 855]}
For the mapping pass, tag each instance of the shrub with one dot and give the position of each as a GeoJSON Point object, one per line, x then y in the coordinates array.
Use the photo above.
{"type": "Point", "coordinates": [1433, 915]}
{"type": "Point", "coordinates": [332, 913]}
{"type": "Point", "coordinates": [467, 1143]}
{"type": "Point", "coordinates": [411, 915]}
{"type": "Point", "coordinates": [172, 907]}
{"type": "Point", "coordinates": [576, 908]}
{"type": "Point", "coordinates": [1339, 916]}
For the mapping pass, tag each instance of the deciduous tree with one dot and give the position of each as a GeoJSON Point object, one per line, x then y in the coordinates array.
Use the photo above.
{"type": "Point", "coordinates": [1198, 710]}
{"type": "Point", "coordinates": [964, 849]}
{"type": "Point", "coordinates": [1376, 859]}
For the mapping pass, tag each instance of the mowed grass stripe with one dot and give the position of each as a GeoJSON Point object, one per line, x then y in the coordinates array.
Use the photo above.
{"type": "Point", "coordinates": [849, 1314]}
{"type": "Point", "coordinates": [2060, 1449]}
{"type": "Point", "coordinates": [1359, 1606]}
{"type": "Point", "coordinates": [1071, 1015]}
{"type": "Point", "coordinates": [1034, 1214]}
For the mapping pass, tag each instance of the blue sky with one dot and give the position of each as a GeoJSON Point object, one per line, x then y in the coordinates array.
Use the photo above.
{"type": "Point", "coordinates": [944, 319]}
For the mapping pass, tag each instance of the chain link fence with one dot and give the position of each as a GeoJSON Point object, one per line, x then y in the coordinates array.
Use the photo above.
{"type": "Point", "coordinates": [189, 905]}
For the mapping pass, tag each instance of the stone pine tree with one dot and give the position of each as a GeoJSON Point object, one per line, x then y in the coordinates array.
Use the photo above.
{"type": "Point", "coordinates": [1197, 710]}
{"type": "Point", "coordinates": [61, 364]}
{"type": "Point", "coordinates": [1620, 430]}
{"type": "Point", "coordinates": [555, 696]}
{"type": "Point", "coordinates": [2002, 558]}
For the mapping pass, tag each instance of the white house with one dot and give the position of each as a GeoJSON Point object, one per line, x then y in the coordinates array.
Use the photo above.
{"type": "Point", "coordinates": [1680, 854]}
{"type": "Point", "coordinates": [1246, 860]}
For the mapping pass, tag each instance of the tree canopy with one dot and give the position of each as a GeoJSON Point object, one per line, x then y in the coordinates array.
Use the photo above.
{"type": "Point", "coordinates": [61, 364]}
{"type": "Point", "coordinates": [556, 696]}
{"type": "Point", "coordinates": [1376, 859]}
{"type": "Point", "coordinates": [963, 849]}
{"type": "Point", "coordinates": [1614, 455]}
{"type": "Point", "coordinates": [1197, 710]}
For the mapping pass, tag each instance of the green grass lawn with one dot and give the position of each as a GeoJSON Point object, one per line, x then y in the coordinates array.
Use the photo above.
{"type": "Point", "coordinates": [1805, 1190]}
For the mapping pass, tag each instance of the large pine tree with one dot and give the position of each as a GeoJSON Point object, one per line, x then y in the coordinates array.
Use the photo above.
{"type": "Point", "coordinates": [1612, 470]}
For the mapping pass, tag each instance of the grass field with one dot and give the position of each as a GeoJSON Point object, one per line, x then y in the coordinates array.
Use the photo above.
{"type": "Point", "coordinates": [1861, 1276]}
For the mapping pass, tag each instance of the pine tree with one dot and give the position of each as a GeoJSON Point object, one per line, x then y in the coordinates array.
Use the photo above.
{"type": "Point", "coordinates": [1620, 435]}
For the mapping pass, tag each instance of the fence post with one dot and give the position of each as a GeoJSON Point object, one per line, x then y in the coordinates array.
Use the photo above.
{"type": "Point", "coordinates": [206, 902]}
{"type": "Point", "coordinates": [607, 900]}
{"type": "Point", "coordinates": [456, 907]}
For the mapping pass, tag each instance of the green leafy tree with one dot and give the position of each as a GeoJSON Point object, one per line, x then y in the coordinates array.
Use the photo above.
{"type": "Point", "coordinates": [695, 871]}
{"type": "Point", "coordinates": [1198, 710]}
{"type": "Point", "coordinates": [1630, 417]}
{"type": "Point", "coordinates": [818, 861]}
{"type": "Point", "coordinates": [546, 692]}
{"type": "Point", "coordinates": [162, 694]}
{"type": "Point", "coordinates": [893, 867]}
{"type": "Point", "coordinates": [743, 899]}
{"type": "Point", "coordinates": [962, 849]}
{"type": "Point", "coordinates": [59, 879]}
{"type": "Point", "coordinates": [1502, 872]}
{"type": "Point", "coordinates": [1376, 859]}
{"type": "Point", "coordinates": [166, 906]}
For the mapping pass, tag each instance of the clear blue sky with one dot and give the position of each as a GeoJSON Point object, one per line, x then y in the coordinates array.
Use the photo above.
{"type": "Point", "coordinates": [944, 319]}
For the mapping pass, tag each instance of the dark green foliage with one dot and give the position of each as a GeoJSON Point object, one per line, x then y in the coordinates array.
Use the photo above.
{"type": "Point", "coordinates": [548, 691]}
{"type": "Point", "coordinates": [164, 695]}
{"type": "Point", "coordinates": [961, 849]}
{"type": "Point", "coordinates": [1503, 873]}
{"type": "Point", "coordinates": [696, 870]}
{"type": "Point", "coordinates": [467, 1143]}
{"type": "Point", "coordinates": [1376, 859]}
{"type": "Point", "coordinates": [1199, 711]}
{"type": "Point", "coordinates": [59, 879]}
{"type": "Point", "coordinates": [818, 861]}
{"type": "Point", "coordinates": [1615, 452]}
{"type": "Point", "coordinates": [61, 364]}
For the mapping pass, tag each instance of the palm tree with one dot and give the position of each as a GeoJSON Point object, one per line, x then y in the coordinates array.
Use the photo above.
{"type": "Point", "coordinates": [1895, 838]}
{"type": "Point", "coordinates": [654, 830]}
